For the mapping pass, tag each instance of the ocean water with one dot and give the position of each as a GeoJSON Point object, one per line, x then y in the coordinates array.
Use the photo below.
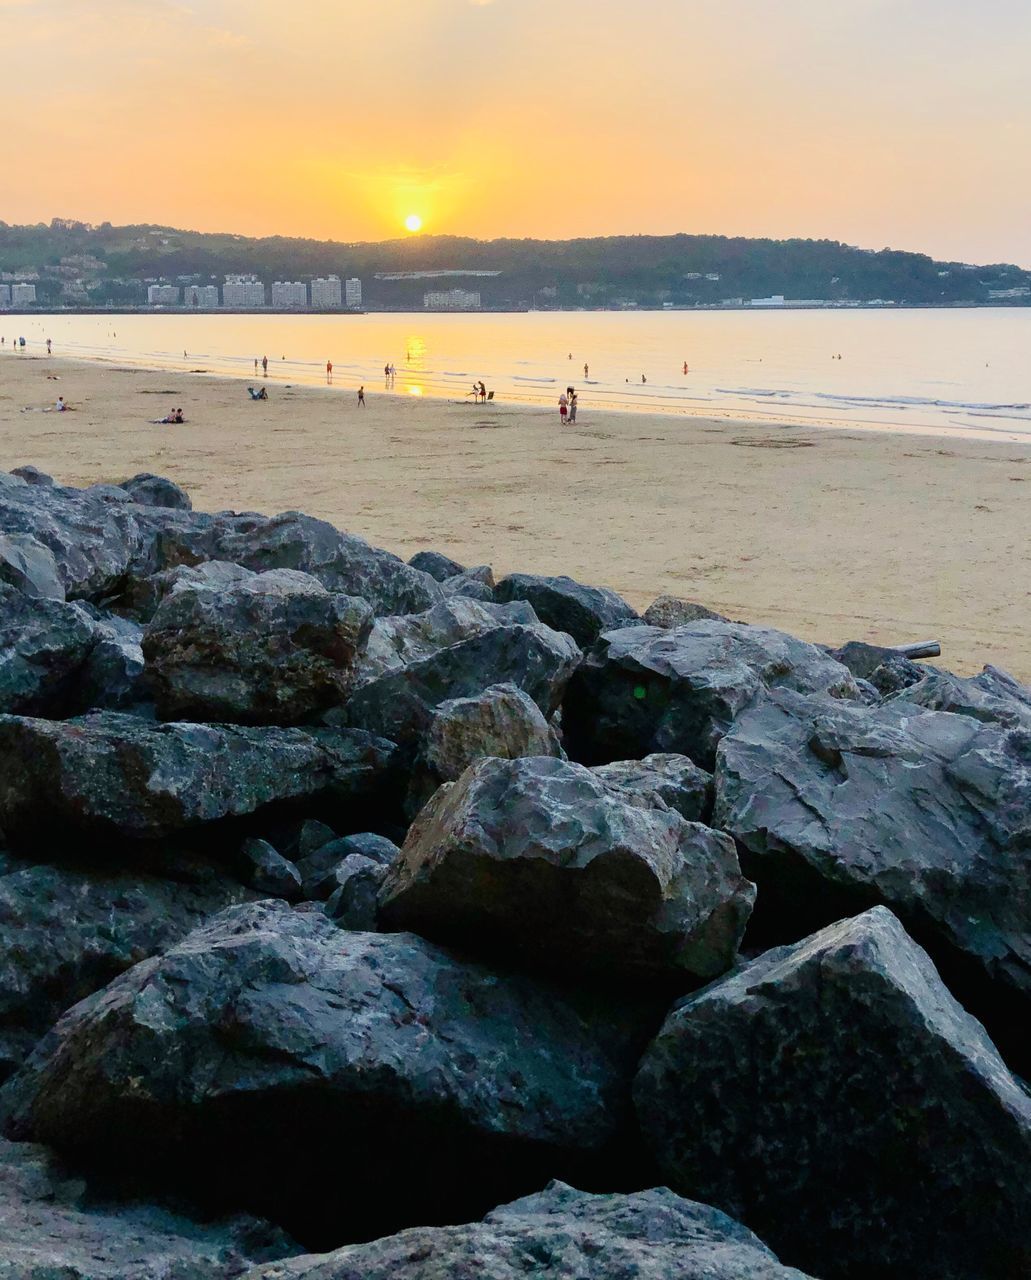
{"type": "Point", "coordinates": [962, 372]}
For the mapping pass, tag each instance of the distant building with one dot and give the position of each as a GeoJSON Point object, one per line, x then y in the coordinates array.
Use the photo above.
{"type": "Point", "coordinates": [289, 293]}
{"type": "Point", "coordinates": [243, 291]}
{"type": "Point", "coordinates": [5, 295]}
{"type": "Point", "coordinates": [1021, 291]}
{"type": "Point", "coordinates": [163, 295]}
{"type": "Point", "coordinates": [450, 300]}
{"type": "Point", "coordinates": [23, 295]}
{"type": "Point", "coordinates": [326, 292]}
{"type": "Point", "coordinates": [353, 292]}
{"type": "Point", "coordinates": [777, 300]}
{"type": "Point", "coordinates": [200, 295]}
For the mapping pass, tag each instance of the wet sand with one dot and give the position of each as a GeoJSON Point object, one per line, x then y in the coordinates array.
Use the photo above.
{"type": "Point", "coordinates": [829, 534]}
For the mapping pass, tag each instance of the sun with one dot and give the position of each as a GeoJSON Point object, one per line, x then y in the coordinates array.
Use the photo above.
{"type": "Point", "coordinates": [413, 222]}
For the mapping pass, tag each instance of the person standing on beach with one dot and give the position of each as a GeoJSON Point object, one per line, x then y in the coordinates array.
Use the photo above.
{"type": "Point", "coordinates": [255, 364]}
{"type": "Point", "coordinates": [264, 365]}
{"type": "Point", "coordinates": [49, 352]}
{"type": "Point", "coordinates": [563, 407]}
{"type": "Point", "coordinates": [361, 396]}
{"type": "Point", "coordinates": [572, 408]}
{"type": "Point", "coordinates": [586, 371]}
{"type": "Point", "coordinates": [329, 372]}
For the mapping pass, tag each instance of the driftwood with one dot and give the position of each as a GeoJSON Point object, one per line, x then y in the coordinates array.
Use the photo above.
{"type": "Point", "coordinates": [924, 649]}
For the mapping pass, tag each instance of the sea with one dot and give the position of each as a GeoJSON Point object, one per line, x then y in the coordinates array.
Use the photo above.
{"type": "Point", "coordinates": [964, 372]}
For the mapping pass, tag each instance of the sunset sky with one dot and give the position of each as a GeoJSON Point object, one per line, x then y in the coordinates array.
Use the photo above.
{"type": "Point", "coordinates": [878, 122]}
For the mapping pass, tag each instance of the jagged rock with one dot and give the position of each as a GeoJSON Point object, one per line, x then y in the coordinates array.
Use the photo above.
{"type": "Point", "coordinates": [538, 859]}
{"type": "Point", "coordinates": [52, 1227]}
{"type": "Point", "coordinates": [354, 903]}
{"type": "Point", "coordinates": [671, 611]}
{"type": "Point", "coordinates": [44, 646]}
{"type": "Point", "coordinates": [342, 562]}
{"type": "Point", "coordinates": [157, 491]}
{"type": "Point", "coordinates": [267, 872]}
{"type": "Point", "coordinates": [309, 836]}
{"type": "Point", "coordinates": [33, 475]}
{"type": "Point", "coordinates": [112, 678]}
{"type": "Point", "coordinates": [567, 605]}
{"type": "Point", "coordinates": [470, 585]}
{"type": "Point", "coordinates": [836, 1097]}
{"type": "Point", "coordinates": [837, 807]}
{"type": "Point", "coordinates": [675, 779]}
{"type": "Point", "coordinates": [68, 931]}
{"type": "Point", "coordinates": [320, 869]}
{"type": "Point", "coordinates": [458, 652]}
{"type": "Point", "coordinates": [28, 565]}
{"type": "Point", "coordinates": [141, 598]}
{"type": "Point", "coordinates": [501, 721]}
{"type": "Point", "coordinates": [241, 1064]}
{"type": "Point", "coordinates": [886, 669]}
{"type": "Point", "coordinates": [643, 690]}
{"type": "Point", "coordinates": [559, 1234]}
{"type": "Point", "coordinates": [274, 649]}
{"type": "Point", "coordinates": [112, 774]}
{"type": "Point", "coordinates": [438, 566]}
{"type": "Point", "coordinates": [172, 537]}
{"type": "Point", "coordinates": [993, 697]}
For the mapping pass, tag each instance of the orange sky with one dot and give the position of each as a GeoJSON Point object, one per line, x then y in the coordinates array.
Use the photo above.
{"type": "Point", "coordinates": [878, 122]}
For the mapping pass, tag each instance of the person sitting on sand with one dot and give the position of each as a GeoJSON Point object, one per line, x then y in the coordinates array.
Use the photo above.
{"type": "Point", "coordinates": [177, 417]}
{"type": "Point", "coordinates": [60, 407]}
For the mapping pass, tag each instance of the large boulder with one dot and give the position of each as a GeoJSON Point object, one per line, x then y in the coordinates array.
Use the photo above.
{"type": "Point", "coordinates": [342, 562]}
{"type": "Point", "coordinates": [539, 860]}
{"type": "Point", "coordinates": [834, 1096]}
{"type": "Point", "coordinates": [887, 670]}
{"type": "Point", "coordinates": [111, 774]}
{"type": "Point", "coordinates": [677, 780]}
{"type": "Point", "coordinates": [142, 596]}
{"type": "Point", "coordinates": [28, 565]}
{"type": "Point", "coordinates": [44, 647]}
{"type": "Point", "coordinates": [559, 1234]}
{"type": "Point", "coordinates": [275, 649]}
{"type": "Point", "coordinates": [643, 689]}
{"type": "Point", "coordinates": [54, 1227]}
{"type": "Point", "coordinates": [672, 611]}
{"type": "Point", "coordinates": [567, 605]}
{"type": "Point", "coordinates": [68, 931]}
{"type": "Point", "coordinates": [157, 491]}
{"type": "Point", "coordinates": [355, 1083]}
{"type": "Point", "coordinates": [993, 697]}
{"type": "Point", "coordinates": [323, 869]}
{"type": "Point", "coordinates": [837, 807]}
{"type": "Point", "coordinates": [112, 679]}
{"type": "Point", "coordinates": [437, 565]}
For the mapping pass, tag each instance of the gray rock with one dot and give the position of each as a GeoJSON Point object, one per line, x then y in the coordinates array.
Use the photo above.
{"type": "Point", "coordinates": [44, 646]}
{"type": "Point", "coordinates": [266, 871]}
{"type": "Point", "coordinates": [29, 566]}
{"type": "Point", "coordinates": [671, 611]}
{"type": "Point", "coordinates": [112, 679]}
{"type": "Point", "coordinates": [33, 475]}
{"type": "Point", "coordinates": [538, 859]}
{"type": "Point", "coordinates": [469, 586]}
{"type": "Point", "coordinates": [320, 869]}
{"type": "Point", "coordinates": [837, 807]}
{"type": "Point", "coordinates": [53, 1228]}
{"type": "Point", "coordinates": [275, 649]}
{"type": "Point", "coordinates": [643, 690]}
{"type": "Point", "coordinates": [354, 903]}
{"type": "Point", "coordinates": [502, 721]}
{"type": "Point", "coordinates": [112, 774]}
{"type": "Point", "coordinates": [887, 670]}
{"type": "Point", "coordinates": [675, 779]}
{"type": "Point", "coordinates": [993, 697]}
{"type": "Point", "coordinates": [157, 491]}
{"type": "Point", "coordinates": [559, 1234]}
{"type": "Point", "coordinates": [567, 605]}
{"type": "Point", "coordinates": [438, 566]}
{"type": "Point", "coordinates": [836, 1097]}
{"type": "Point", "coordinates": [142, 596]}
{"type": "Point", "coordinates": [243, 1062]}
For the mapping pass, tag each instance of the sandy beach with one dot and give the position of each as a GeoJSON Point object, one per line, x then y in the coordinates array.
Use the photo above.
{"type": "Point", "coordinates": [832, 535]}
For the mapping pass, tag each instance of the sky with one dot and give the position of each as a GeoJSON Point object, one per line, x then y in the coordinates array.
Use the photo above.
{"type": "Point", "coordinates": [902, 123]}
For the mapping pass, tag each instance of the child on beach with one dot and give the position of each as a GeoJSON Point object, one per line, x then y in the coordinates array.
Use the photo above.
{"type": "Point", "coordinates": [563, 407]}
{"type": "Point", "coordinates": [572, 408]}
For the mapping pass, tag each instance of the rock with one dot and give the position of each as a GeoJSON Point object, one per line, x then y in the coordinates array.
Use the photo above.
{"type": "Point", "coordinates": [494, 649]}
{"type": "Point", "coordinates": [275, 649]}
{"type": "Point", "coordinates": [157, 491]}
{"type": "Point", "coordinates": [319, 869]}
{"type": "Point", "coordinates": [111, 774]}
{"type": "Point", "coordinates": [267, 872]}
{"type": "Point", "coordinates": [354, 903]}
{"type": "Point", "coordinates": [569, 606]}
{"type": "Point", "coordinates": [112, 679]}
{"type": "Point", "coordinates": [33, 475]}
{"type": "Point", "coordinates": [242, 1063]}
{"type": "Point", "coordinates": [501, 721]}
{"type": "Point", "coordinates": [68, 931]}
{"type": "Point", "coordinates": [53, 1228]}
{"type": "Point", "coordinates": [671, 611]}
{"type": "Point", "coordinates": [44, 646]}
{"type": "Point", "coordinates": [172, 538]}
{"type": "Point", "coordinates": [439, 567]}
{"type": "Point", "coordinates": [538, 860]}
{"type": "Point", "coordinates": [29, 566]}
{"type": "Point", "coordinates": [559, 1233]}
{"type": "Point", "coordinates": [837, 807]}
{"type": "Point", "coordinates": [142, 596]}
{"type": "Point", "coordinates": [310, 836]}
{"type": "Point", "coordinates": [675, 779]}
{"type": "Point", "coordinates": [342, 562]}
{"type": "Point", "coordinates": [835, 1096]}
{"type": "Point", "coordinates": [886, 669]}
{"type": "Point", "coordinates": [644, 690]}
{"type": "Point", "coordinates": [470, 586]}
{"type": "Point", "coordinates": [993, 697]}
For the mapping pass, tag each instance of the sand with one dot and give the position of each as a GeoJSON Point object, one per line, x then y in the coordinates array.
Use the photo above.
{"type": "Point", "coordinates": [829, 534]}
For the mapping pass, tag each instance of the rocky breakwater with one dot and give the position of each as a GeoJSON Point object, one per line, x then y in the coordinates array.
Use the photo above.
{"type": "Point", "coordinates": [366, 918]}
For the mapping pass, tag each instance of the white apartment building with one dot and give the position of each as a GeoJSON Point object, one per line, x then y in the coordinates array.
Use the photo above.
{"type": "Point", "coordinates": [5, 295]}
{"type": "Point", "coordinates": [353, 292]}
{"type": "Point", "coordinates": [289, 293]}
{"type": "Point", "coordinates": [163, 295]}
{"type": "Point", "coordinates": [200, 295]}
{"type": "Point", "coordinates": [326, 292]}
{"type": "Point", "coordinates": [243, 291]}
{"type": "Point", "coordinates": [450, 299]}
{"type": "Point", "coordinates": [23, 295]}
